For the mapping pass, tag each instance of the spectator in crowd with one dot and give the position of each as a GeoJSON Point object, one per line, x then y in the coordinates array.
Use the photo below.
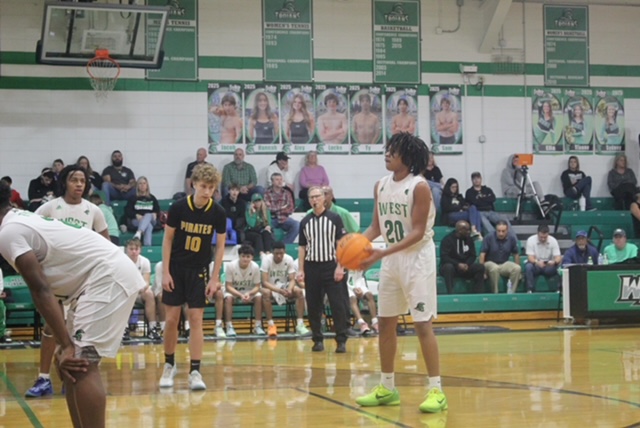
{"type": "Point", "coordinates": [635, 214]}
{"type": "Point", "coordinates": [349, 223]}
{"type": "Point", "coordinates": [497, 249]}
{"type": "Point", "coordinates": [241, 173]}
{"type": "Point", "coordinates": [576, 184]}
{"type": "Point", "coordinates": [57, 166]}
{"type": "Point", "coordinates": [235, 209]}
{"type": "Point", "coordinates": [458, 258]}
{"type": "Point", "coordinates": [358, 291]}
{"type": "Point", "coordinates": [581, 253]}
{"type": "Point", "coordinates": [281, 165]}
{"type": "Point", "coordinates": [435, 179]}
{"type": "Point", "coordinates": [622, 183]}
{"type": "Point", "coordinates": [201, 158]}
{"type": "Point", "coordinates": [543, 257]}
{"type": "Point", "coordinates": [511, 180]}
{"type": "Point", "coordinates": [16, 199]}
{"type": "Point", "coordinates": [455, 208]}
{"type": "Point", "coordinates": [107, 211]}
{"type": "Point", "coordinates": [484, 199]}
{"type": "Point", "coordinates": [3, 313]}
{"type": "Point", "coordinates": [143, 212]}
{"type": "Point", "coordinates": [281, 205]}
{"type": "Point", "coordinates": [311, 174]}
{"type": "Point", "coordinates": [258, 226]}
{"type": "Point", "coordinates": [119, 182]}
{"type": "Point", "coordinates": [621, 251]}
{"type": "Point", "coordinates": [95, 179]}
{"type": "Point", "coordinates": [41, 189]}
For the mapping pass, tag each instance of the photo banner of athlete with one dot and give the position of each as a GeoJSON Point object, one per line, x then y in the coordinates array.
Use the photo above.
{"type": "Point", "coordinates": [332, 119]}
{"type": "Point", "coordinates": [365, 103]}
{"type": "Point", "coordinates": [298, 118]}
{"type": "Point", "coordinates": [445, 110]}
{"type": "Point", "coordinates": [547, 121]}
{"type": "Point", "coordinates": [262, 118]}
{"type": "Point", "coordinates": [609, 121]}
{"type": "Point", "coordinates": [225, 109]}
{"type": "Point", "coordinates": [401, 110]}
{"type": "Point", "coordinates": [578, 121]}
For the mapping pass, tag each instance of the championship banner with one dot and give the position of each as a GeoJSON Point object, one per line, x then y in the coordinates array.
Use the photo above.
{"type": "Point", "coordinates": [609, 121]}
{"type": "Point", "coordinates": [297, 121]}
{"type": "Point", "coordinates": [366, 119]}
{"type": "Point", "coordinates": [262, 118]}
{"type": "Point", "coordinates": [401, 112]}
{"type": "Point", "coordinates": [224, 106]}
{"type": "Point", "coordinates": [332, 122]}
{"type": "Point", "coordinates": [578, 119]}
{"type": "Point", "coordinates": [445, 111]}
{"type": "Point", "coordinates": [547, 121]}
{"type": "Point", "coordinates": [566, 45]}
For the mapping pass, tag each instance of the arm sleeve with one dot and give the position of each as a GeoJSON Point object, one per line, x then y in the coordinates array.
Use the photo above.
{"type": "Point", "coordinates": [302, 238]}
{"type": "Point", "coordinates": [492, 196]}
{"type": "Point", "coordinates": [340, 232]}
{"type": "Point", "coordinates": [253, 176]}
{"type": "Point", "coordinates": [220, 225]}
{"type": "Point", "coordinates": [156, 205]}
{"type": "Point", "coordinates": [566, 183]}
{"type": "Point", "coordinates": [173, 216]}
{"type": "Point", "coordinates": [445, 250]}
{"type": "Point", "coordinates": [531, 250]}
{"type": "Point", "coordinates": [130, 208]}
{"type": "Point", "coordinates": [555, 248]}
{"type": "Point", "coordinates": [325, 177]}
{"type": "Point", "coordinates": [611, 180]}
{"type": "Point", "coordinates": [303, 178]}
{"type": "Point", "coordinates": [99, 220]}
{"type": "Point", "coordinates": [471, 258]}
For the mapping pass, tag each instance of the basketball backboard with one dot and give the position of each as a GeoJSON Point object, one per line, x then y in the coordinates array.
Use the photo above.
{"type": "Point", "coordinates": [73, 31]}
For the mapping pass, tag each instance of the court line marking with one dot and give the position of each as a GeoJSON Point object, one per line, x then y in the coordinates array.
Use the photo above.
{"type": "Point", "coordinates": [356, 409]}
{"type": "Point", "coordinates": [21, 401]}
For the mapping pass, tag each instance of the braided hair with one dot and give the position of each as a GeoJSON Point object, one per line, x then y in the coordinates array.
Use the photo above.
{"type": "Point", "coordinates": [411, 149]}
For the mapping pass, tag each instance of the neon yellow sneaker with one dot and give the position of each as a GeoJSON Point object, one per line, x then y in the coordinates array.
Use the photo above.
{"type": "Point", "coordinates": [380, 396]}
{"type": "Point", "coordinates": [434, 402]}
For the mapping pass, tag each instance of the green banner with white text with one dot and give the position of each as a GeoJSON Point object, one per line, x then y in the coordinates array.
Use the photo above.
{"type": "Point", "coordinates": [566, 45]}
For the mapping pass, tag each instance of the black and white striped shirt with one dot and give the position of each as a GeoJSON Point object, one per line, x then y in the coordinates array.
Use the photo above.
{"type": "Point", "coordinates": [320, 234]}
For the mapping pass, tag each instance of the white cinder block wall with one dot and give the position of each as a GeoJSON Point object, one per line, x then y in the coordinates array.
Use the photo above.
{"type": "Point", "coordinates": [159, 132]}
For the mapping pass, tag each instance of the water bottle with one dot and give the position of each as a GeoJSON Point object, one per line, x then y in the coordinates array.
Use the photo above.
{"type": "Point", "coordinates": [590, 261]}
{"type": "Point", "coordinates": [583, 203]}
{"type": "Point", "coordinates": [509, 287]}
{"type": "Point", "coordinates": [600, 259]}
{"type": "Point", "coordinates": [605, 260]}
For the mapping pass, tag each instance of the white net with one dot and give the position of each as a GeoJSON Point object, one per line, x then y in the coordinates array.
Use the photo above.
{"type": "Point", "coordinates": [103, 73]}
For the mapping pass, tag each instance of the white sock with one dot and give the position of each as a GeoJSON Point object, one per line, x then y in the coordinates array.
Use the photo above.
{"type": "Point", "coordinates": [187, 326]}
{"type": "Point", "coordinates": [360, 321]}
{"type": "Point", "coordinates": [229, 325]}
{"type": "Point", "coordinates": [388, 380]}
{"type": "Point", "coordinates": [374, 321]}
{"type": "Point", "coordinates": [270, 323]}
{"type": "Point", "coordinates": [300, 321]}
{"type": "Point", "coordinates": [218, 323]}
{"type": "Point", "coordinates": [435, 382]}
{"type": "Point", "coordinates": [44, 375]}
{"type": "Point", "coordinates": [162, 325]}
{"type": "Point", "coordinates": [152, 324]}
{"type": "Point", "coordinates": [258, 323]}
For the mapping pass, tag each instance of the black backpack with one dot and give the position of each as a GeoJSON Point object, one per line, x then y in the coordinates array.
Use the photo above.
{"type": "Point", "coordinates": [549, 204]}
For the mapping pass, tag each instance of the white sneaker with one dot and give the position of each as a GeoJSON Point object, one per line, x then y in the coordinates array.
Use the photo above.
{"type": "Point", "coordinates": [231, 332]}
{"type": "Point", "coordinates": [259, 331]}
{"type": "Point", "coordinates": [302, 330]}
{"type": "Point", "coordinates": [220, 333]}
{"type": "Point", "coordinates": [138, 235]}
{"type": "Point", "coordinates": [195, 381]}
{"type": "Point", "coordinates": [169, 372]}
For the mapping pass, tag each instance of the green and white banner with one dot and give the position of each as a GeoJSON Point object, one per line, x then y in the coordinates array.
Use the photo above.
{"type": "Point", "coordinates": [180, 41]}
{"type": "Point", "coordinates": [332, 122]}
{"type": "Point", "coordinates": [566, 45]}
{"type": "Point", "coordinates": [609, 121]}
{"type": "Point", "coordinates": [547, 121]}
{"type": "Point", "coordinates": [298, 122]}
{"type": "Point", "coordinates": [262, 118]}
{"type": "Point", "coordinates": [287, 34]}
{"type": "Point", "coordinates": [225, 108]}
{"type": "Point", "coordinates": [365, 103]}
{"type": "Point", "coordinates": [445, 108]}
{"type": "Point", "coordinates": [401, 112]}
{"type": "Point", "coordinates": [578, 121]}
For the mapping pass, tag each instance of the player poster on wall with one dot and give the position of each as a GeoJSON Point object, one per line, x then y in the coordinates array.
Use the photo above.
{"type": "Point", "coordinates": [365, 103]}
{"type": "Point", "coordinates": [445, 109]}
{"type": "Point", "coordinates": [609, 121]}
{"type": "Point", "coordinates": [262, 118]}
{"type": "Point", "coordinates": [332, 122]}
{"type": "Point", "coordinates": [578, 121]}
{"type": "Point", "coordinates": [401, 112]}
{"type": "Point", "coordinates": [547, 121]}
{"type": "Point", "coordinates": [224, 107]}
{"type": "Point", "coordinates": [297, 121]}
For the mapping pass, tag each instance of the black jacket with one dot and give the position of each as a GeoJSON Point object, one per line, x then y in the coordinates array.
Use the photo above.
{"type": "Point", "coordinates": [456, 250]}
{"type": "Point", "coordinates": [483, 199]}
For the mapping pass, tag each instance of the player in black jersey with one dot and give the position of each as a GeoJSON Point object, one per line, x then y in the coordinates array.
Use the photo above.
{"type": "Point", "coordinates": [186, 254]}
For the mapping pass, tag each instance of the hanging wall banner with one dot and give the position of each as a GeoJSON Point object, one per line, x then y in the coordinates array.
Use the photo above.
{"type": "Point", "coordinates": [225, 117]}
{"type": "Point", "coordinates": [298, 123]}
{"type": "Point", "coordinates": [262, 118]}
{"type": "Point", "coordinates": [366, 119]}
{"type": "Point", "coordinates": [445, 109]}
{"type": "Point", "coordinates": [401, 112]}
{"type": "Point", "coordinates": [566, 45]}
{"type": "Point", "coordinates": [396, 41]}
{"type": "Point", "coordinates": [578, 119]}
{"type": "Point", "coordinates": [287, 40]}
{"type": "Point", "coordinates": [332, 122]}
{"type": "Point", "coordinates": [180, 41]}
{"type": "Point", "coordinates": [547, 121]}
{"type": "Point", "coordinates": [609, 121]}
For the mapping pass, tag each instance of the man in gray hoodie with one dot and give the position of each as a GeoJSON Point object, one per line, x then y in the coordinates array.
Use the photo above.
{"type": "Point", "coordinates": [511, 180]}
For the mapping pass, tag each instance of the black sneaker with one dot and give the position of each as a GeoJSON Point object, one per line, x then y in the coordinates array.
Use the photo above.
{"type": "Point", "coordinates": [341, 348]}
{"type": "Point", "coordinates": [318, 347]}
{"type": "Point", "coordinates": [5, 339]}
{"type": "Point", "coordinates": [153, 334]}
{"type": "Point", "coordinates": [127, 335]}
{"type": "Point", "coordinates": [186, 333]}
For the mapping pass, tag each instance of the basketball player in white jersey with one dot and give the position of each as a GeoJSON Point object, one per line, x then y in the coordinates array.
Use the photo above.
{"type": "Point", "coordinates": [98, 282]}
{"type": "Point", "coordinates": [72, 209]}
{"type": "Point", "coordinates": [404, 214]}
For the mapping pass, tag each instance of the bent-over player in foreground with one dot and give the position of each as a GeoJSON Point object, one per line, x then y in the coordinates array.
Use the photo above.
{"type": "Point", "coordinates": [404, 214]}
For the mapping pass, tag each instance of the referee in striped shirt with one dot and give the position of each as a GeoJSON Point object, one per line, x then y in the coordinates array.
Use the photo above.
{"type": "Point", "coordinates": [320, 230]}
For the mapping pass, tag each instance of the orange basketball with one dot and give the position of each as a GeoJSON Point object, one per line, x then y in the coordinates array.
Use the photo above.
{"type": "Point", "coordinates": [352, 250]}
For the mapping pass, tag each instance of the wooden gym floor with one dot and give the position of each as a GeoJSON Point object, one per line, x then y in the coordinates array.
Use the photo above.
{"type": "Point", "coordinates": [535, 374]}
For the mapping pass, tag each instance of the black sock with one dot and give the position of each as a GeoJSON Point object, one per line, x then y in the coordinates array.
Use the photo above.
{"type": "Point", "coordinates": [195, 365]}
{"type": "Point", "coordinates": [170, 359]}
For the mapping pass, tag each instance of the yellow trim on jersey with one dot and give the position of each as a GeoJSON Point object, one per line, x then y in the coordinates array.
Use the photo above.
{"type": "Point", "coordinates": [192, 206]}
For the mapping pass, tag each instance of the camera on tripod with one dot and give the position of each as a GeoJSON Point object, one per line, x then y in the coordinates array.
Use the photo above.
{"type": "Point", "coordinates": [524, 161]}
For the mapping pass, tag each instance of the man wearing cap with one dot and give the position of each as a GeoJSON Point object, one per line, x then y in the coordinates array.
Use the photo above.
{"type": "Point", "coordinates": [281, 165]}
{"type": "Point", "coordinates": [581, 252]}
{"type": "Point", "coordinates": [281, 204]}
{"type": "Point", "coordinates": [483, 198]}
{"type": "Point", "coordinates": [543, 257]}
{"type": "Point", "coordinates": [620, 251]}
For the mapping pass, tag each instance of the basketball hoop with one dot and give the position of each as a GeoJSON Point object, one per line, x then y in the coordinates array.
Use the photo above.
{"type": "Point", "coordinates": [103, 72]}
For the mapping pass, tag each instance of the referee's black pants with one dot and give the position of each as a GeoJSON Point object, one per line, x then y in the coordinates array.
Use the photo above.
{"type": "Point", "coordinates": [318, 278]}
